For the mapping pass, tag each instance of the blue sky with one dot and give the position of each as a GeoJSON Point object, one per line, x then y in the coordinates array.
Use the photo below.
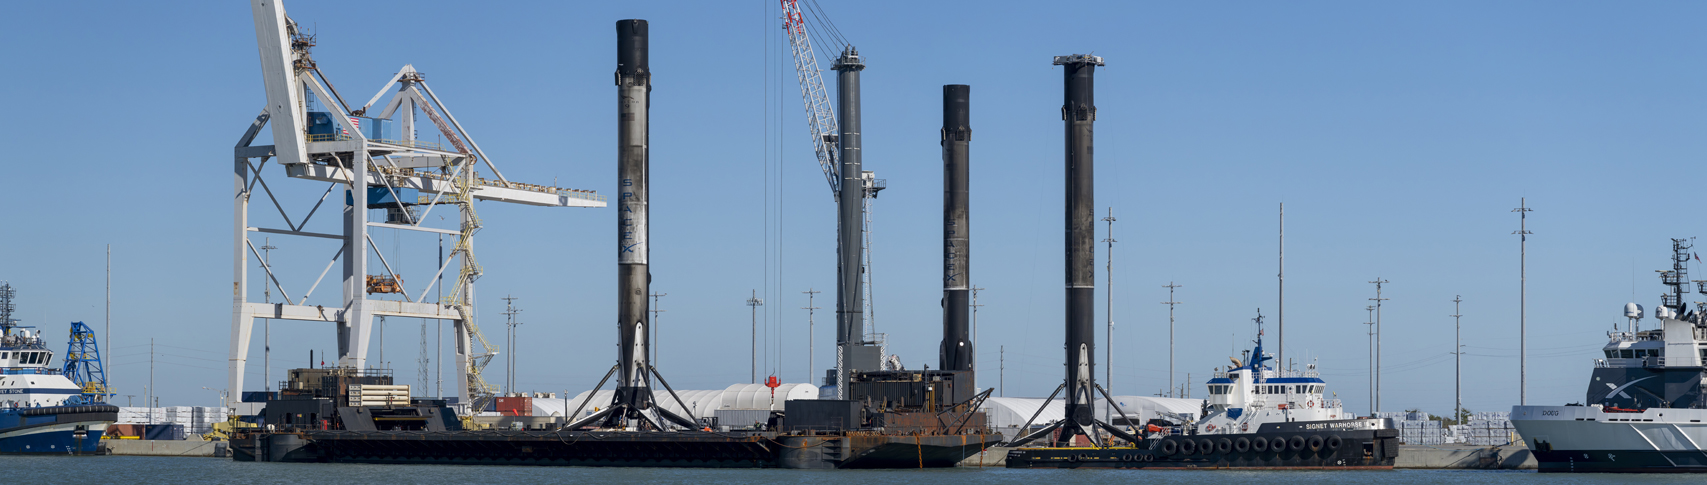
{"type": "Point", "coordinates": [1399, 136]}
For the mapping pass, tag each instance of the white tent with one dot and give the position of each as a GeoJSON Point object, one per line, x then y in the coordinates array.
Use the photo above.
{"type": "Point", "coordinates": [1007, 414]}
{"type": "Point", "coordinates": [704, 404]}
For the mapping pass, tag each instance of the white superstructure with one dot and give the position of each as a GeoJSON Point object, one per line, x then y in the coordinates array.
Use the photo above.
{"type": "Point", "coordinates": [26, 381]}
{"type": "Point", "coordinates": [1250, 394]}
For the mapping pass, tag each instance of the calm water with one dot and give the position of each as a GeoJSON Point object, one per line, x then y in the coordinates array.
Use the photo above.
{"type": "Point", "coordinates": [139, 469]}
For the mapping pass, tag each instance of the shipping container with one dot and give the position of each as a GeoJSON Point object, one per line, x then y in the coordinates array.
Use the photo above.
{"type": "Point", "coordinates": [164, 432]}
{"type": "Point", "coordinates": [515, 406]}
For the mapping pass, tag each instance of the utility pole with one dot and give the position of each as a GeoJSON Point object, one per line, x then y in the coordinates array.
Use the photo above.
{"type": "Point", "coordinates": [1378, 299]}
{"type": "Point", "coordinates": [151, 397]}
{"type": "Point", "coordinates": [1457, 360]}
{"type": "Point", "coordinates": [811, 343]}
{"type": "Point", "coordinates": [1522, 233]}
{"type": "Point", "coordinates": [1281, 320]}
{"type": "Point", "coordinates": [755, 303]}
{"type": "Point", "coordinates": [109, 338]}
{"type": "Point", "coordinates": [1002, 378]}
{"type": "Point", "coordinates": [1170, 303]}
{"type": "Point", "coordinates": [1370, 325]}
{"type": "Point", "coordinates": [1108, 346]}
{"type": "Point", "coordinates": [510, 312]}
{"type": "Point", "coordinates": [975, 305]}
{"type": "Point", "coordinates": [655, 333]}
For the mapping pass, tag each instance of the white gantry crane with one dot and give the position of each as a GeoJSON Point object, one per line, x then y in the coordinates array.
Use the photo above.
{"type": "Point", "coordinates": [377, 168]}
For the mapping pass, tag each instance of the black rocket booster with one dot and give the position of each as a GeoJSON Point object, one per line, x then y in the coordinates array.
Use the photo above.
{"type": "Point", "coordinates": [633, 399]}
{"type": "Point", "coordinates": [634, 98]}
{"type": "Point", "coordinates": [957, 351]}
{"type": "Point", "coordinates": [1080, 112]}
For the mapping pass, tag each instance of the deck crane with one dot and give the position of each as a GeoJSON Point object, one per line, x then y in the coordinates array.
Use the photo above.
{"type": "Point", "coordinates": [836, 139]}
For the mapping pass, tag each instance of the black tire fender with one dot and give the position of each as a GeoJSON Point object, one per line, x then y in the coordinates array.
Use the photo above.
{"type": "Point", "coordinates": [1316, 442]}
{"type": "Point", "coordinates": [1187, 446]}
{"type": "Point", "coordinates": [1205, 446]}
{"type": "Point", "coordinates": [1277, 445]}
{"type": "Point", "coordinates": [1223, 446]}
{"type": "Point", "coordinates": [1242, 444]}
{"type": "Point", "coordinates": [1169, 447]}
{"type": "Point", "coordinates": [1260, 445]}
{"type": "Point", "coordinates": [1334, 442]}
{"type": "Point", "coordinates": [1295, 443]}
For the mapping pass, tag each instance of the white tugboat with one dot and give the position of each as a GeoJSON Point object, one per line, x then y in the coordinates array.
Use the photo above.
{"type": "Point", "coordinates": [1644, 409]}
{"type": "Point", "coordinates": [1258, 417]}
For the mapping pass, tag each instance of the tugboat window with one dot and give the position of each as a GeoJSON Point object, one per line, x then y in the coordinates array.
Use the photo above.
{"type": "Point", "coordinates": [1628, 353]}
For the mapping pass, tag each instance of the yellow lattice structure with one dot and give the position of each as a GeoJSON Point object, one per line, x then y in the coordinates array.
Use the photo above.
{"type": "Point", "coordinates": [479, 391]}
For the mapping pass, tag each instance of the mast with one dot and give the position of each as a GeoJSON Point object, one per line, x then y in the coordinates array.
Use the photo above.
{"type": "Point", "coordinates": [850, 200]}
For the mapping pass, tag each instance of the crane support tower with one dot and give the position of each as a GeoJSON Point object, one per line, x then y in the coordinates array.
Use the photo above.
{"type": "Point", "coordinates": [837, 141]}
{"type": "Point", "coordinates": [377, 162]}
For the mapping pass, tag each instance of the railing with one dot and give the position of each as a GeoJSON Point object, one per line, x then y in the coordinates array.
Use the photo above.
{"type": "Point", "coordinates": [28, 371]}
{"type": "Point", "coordinates": [427, 145]}
{"type": "Point", "coordinates": [330, 137]}
{"type": "Point", "coordinates": [480, 181]}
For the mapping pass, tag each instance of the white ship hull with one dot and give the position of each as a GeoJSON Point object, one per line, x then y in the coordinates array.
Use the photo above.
{"type": "Point", "coordinates": [1596, 439]}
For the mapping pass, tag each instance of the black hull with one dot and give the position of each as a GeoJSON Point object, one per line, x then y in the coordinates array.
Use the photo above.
{"type": "Point", "coordinates": [667, 450]}
{"type": "Point", "coordinates": [1361, 450]}
{"type": "Point", "coordinates": [1620, 461]}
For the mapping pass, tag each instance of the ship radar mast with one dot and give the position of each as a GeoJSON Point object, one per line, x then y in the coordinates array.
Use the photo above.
{"type": "Point", "coordinates": [6, 308]}
{"type": "Point", "coordinates": [1676, 278]}
{"type": "Point", "coordinates": [1256, 362]}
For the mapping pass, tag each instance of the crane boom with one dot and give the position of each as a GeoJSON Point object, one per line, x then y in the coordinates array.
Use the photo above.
{"type": "Point", "coordinates": [820, 117]}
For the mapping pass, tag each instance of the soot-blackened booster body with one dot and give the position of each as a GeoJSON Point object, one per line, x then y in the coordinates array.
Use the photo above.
{"type": "Point", "coordinates": [634, 88]}
{"type": "Point", "coordinates": [1079, 112]}
{"type": "Point", "coordinates": [957, 351]}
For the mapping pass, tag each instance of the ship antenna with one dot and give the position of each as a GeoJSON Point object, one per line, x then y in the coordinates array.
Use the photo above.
{"type": "Point", "coordinates": [1256, 364]}
{"type": "Point", "coordinates": [6, 308]}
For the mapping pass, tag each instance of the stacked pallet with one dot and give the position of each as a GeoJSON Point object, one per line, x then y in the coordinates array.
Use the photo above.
{"type": "Point", "coordinates": [1415, 428]}
{"type": "Point", "coordinates": [195, 420]}
{"type": "Point", "coordinates": [1492, 428]}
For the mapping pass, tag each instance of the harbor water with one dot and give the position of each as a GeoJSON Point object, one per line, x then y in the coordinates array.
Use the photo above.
{"type": "Point", "coordinates": [50, 469]}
